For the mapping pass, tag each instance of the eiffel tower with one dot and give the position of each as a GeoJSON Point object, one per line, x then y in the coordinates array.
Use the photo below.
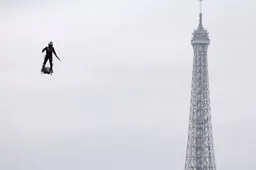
{"type": "Point", "coordinates": [200, 150]}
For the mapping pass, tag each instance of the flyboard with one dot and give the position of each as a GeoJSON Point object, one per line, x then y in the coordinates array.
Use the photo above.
{"type": "Point", "coordinates": [46, 70]}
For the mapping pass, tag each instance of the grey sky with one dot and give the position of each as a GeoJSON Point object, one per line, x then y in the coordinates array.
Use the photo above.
{"type": "Point", "coordinates": [120, 98]}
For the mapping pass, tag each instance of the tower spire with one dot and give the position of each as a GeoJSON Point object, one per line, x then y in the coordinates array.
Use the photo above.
{"type": "Point", "coordinates": [201, 13]}
{"type": "Point", "coordinates": [201, 6]}
{"type": "Point", "coordinates": [200, 35]}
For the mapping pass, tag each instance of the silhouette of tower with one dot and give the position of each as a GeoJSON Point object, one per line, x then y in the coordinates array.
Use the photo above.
{"type": "Point", "coordinates": [200, 150]}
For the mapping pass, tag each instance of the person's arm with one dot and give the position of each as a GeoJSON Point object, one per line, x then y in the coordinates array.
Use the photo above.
{"type": "Point", "coordinates": [55, 54]}
{"type": "Point", "coordinates": [44, 49]}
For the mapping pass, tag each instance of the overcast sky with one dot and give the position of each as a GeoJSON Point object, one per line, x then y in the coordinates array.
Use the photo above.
{"type": "Point", "coordinates": [120, 98]}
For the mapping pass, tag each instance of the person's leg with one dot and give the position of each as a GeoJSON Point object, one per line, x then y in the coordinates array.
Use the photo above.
{"type": "Point", "coordinates": [50, 59]}
{"type": "Point", "coordinates": [45, 60]}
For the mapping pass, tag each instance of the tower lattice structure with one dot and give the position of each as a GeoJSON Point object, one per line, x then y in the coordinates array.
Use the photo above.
{"type": "Point", "coordinates": [200, 149]}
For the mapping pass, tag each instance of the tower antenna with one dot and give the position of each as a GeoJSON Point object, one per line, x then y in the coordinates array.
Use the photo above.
{"type": "Point", "coordinates": [201, 12]}
{"type": "Point", "coordinates": [201, 6]}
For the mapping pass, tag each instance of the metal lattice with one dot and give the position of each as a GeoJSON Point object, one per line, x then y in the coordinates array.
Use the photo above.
{"type": "Point", "coordinates": [200, 150]}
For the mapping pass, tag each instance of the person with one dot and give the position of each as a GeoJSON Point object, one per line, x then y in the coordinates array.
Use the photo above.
{"type": "Point", "coordinates": [49, 50]}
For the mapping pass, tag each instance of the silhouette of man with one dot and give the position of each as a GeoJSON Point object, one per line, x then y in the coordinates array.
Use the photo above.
{"type": "Point", "coordinates": [49, 50]}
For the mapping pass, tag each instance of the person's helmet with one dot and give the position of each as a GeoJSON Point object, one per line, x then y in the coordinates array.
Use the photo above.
{"type": "Point", "coordinates": [50, 44]}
